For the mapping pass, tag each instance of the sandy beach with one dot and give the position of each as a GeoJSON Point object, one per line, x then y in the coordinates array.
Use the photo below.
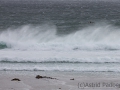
{"type": "Point", "coordinates": [59, 81]}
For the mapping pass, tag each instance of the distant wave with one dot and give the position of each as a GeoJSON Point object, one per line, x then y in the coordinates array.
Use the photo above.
{"type": "Point", "coordinates": [43, 62]}
{"type": "Point", "coordinates": [94, 60]}
{"type": "Point", "coordinates": [110, 64]}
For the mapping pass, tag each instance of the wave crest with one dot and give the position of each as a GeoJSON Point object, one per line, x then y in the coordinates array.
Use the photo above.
{"type": "Point", "coordinates": [95, 37]}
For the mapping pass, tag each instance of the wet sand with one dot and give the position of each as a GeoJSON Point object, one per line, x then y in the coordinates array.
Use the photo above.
{"type": "Point", "coordinates": [59, 81]}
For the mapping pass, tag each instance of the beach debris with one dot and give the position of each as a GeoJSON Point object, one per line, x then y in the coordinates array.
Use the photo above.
{"type": "Point", "coordinates": [15, 79]}
{"type": "Point", "coordinates": [39, 77]}
{"type": "Point", "coordinates": [59, 88]}
{"type": "Point", "coordinates": [72, 79]}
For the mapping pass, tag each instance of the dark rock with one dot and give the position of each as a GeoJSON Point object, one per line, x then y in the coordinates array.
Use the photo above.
{"type": "Point", "coordinates": [15, 79]}
{"type": "Point", "coordinates": [72, 79]}
{"type": "Point", "coordinates": [59, 88]}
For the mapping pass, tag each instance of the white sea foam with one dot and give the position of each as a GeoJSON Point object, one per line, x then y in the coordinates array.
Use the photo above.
{"type": "Point", "coordinates": [94, 48]}
{"type": "Point", "coordinates": [28, 37]}
{"type": "Point", "coordinates": [60, 61]}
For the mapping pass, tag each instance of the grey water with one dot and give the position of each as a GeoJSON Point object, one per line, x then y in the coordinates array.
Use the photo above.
{"type": "Point", "coordinates": [60, 26]}
{"type": "Point", "coordinates": [66, 15]}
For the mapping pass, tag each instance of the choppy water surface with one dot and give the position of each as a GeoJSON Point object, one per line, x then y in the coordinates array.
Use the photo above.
{"type": "Point", "coordinates": [60, 35]}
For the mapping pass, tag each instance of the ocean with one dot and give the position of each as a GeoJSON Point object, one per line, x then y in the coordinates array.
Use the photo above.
{"type": "Point", "coordinates": [60, 35]}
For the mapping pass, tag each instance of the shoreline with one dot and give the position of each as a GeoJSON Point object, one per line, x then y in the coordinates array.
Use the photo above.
{"type": "Point", "coordinates": [63, 81]}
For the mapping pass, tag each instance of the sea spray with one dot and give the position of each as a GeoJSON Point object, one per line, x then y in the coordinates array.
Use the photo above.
{"type": "Point", "coordinates": [62, 35]}
{"type": "Point", "coordinates": [95, 37]}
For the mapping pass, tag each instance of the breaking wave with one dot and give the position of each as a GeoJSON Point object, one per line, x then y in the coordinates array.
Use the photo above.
{"type": "Point", "coordinates": [44, 37]}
